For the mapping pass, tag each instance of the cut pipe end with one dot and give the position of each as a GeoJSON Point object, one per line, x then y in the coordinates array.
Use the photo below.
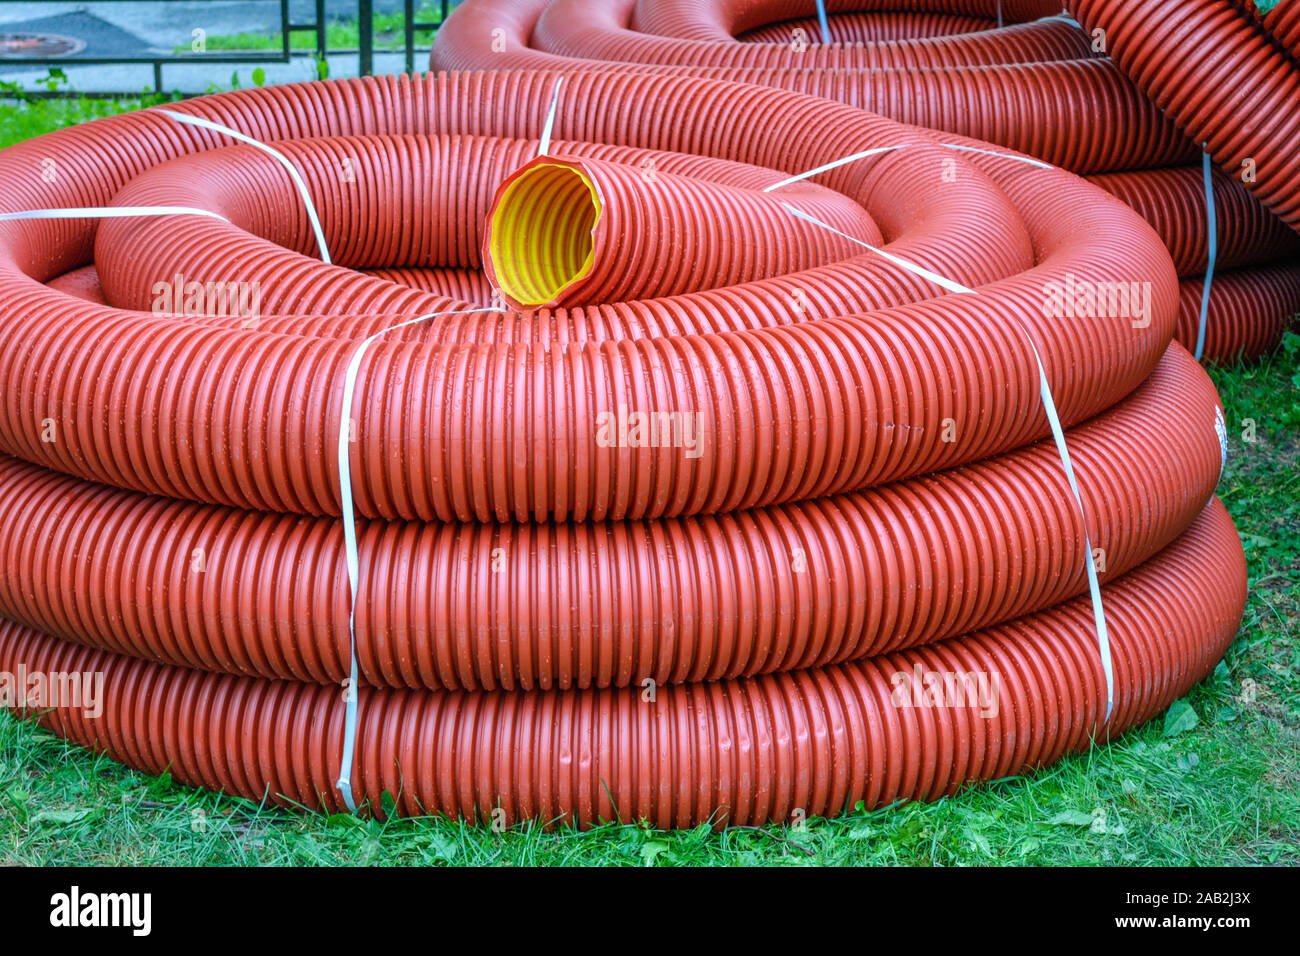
{"type": "Point", "coordinates": [540, 243]}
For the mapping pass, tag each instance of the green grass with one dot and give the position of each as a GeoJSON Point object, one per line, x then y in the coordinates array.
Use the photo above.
{"type": "Point", "coordinates": [389, 34]}
{"type": "Point", "coordinates": [1220, 792]}
{"type": "Point", "coordinates": [24, 118]}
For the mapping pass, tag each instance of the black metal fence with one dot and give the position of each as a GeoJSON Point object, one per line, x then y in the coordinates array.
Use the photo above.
{"type": "Point", "coordinates": [365, 49]}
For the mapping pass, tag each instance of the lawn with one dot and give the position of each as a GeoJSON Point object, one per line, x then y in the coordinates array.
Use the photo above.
{"type": "Point", "coordinates": [1212, 782]}
{"type": "Point", "coordinates": [340, 34]}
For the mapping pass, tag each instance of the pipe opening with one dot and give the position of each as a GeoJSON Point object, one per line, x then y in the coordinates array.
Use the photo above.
{"type": "Point", "coordinates": [540, 234]}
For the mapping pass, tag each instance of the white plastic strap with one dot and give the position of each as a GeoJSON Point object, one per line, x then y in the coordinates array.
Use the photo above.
{"type": "Point", "coordinates": [344, 782]}
{"type": "Point", "coordinates": [109, 212]}
{"type": "Point", "coordinates": [545, 146]}
{"type": "Point", "coordinates": [845, 160]}
{"type": "Point", "coordinates": [347, 511]}
{"type": "Point", "coordinates": [823, 22]}
{"type": "Point", "coordinates": [909, 266]}
{"type": "Point", "coordinates": [1089, 563]}
{"type": "Point", "coordinates": [283, 160]}
{"type": "Point", "coordinates": [1053, 421]}
{"type": "Point", "coordinates": [1212, 250]}
{"type": "Point", "coordinates": [829, 166]}
{"type": "Point", "coordinates": [1027, 160]}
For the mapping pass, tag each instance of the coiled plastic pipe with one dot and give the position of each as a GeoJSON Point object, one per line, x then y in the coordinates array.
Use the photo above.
{"type": "Point", "coordinates": [1038, 88]}
{"type": "Point", "coordinates": [705, 598]}
{"type": "Point", "coordinates": [1282, 23]}
{"type": "Point", "coordinates": [735, 752]}
{"type": "Point", "coordinates": [1030, 87]}
{"type": "Point", "coordinates": [1220, 79]}
{"type": "Point", "coordinates": [856, 392]}
{"type": "Point", "coordinates": [802, 546]}
{"type": "Point", "coordinates": [850, 27]}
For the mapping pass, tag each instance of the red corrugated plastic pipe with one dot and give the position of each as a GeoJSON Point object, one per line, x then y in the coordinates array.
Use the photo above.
{"type": "Point", "coordinates": [692, 20]}
{"type": "Point", "coordinates": [730, 752]}
{"type": "Point", "coordinates": [522, 607]}
{"type": "Point", "coordinates": [853, 27]}
{"type": "Point", "coordinates": [1070, 109]}
{"type": "Point", "coordinates": [801, 385]}
{"type": "Point", "coordinates": [1173, 202]}
{"type": "Point", "coordinates": [702, 34]}
{"type": "Point", "coordinates": [1027, 87]}
{"type": "Point", "coordinates": [564, 232]}
{"type": "Point", "coordinates": [804, 390]}
{"type": "Point", "coordinates": [1249, 311]}
{"type": "Point", "coordinates": [1220, 79]}
{"type": "Point", "coordinates": [1281, 23]}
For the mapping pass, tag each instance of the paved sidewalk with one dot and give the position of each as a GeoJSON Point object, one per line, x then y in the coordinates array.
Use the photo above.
{"type": "Point", "coordinates": [134, 28]}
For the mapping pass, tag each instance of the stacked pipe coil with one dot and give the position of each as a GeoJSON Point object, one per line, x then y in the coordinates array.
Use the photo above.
{"type": "Point", "coordinates": [1039, 85]}
{"type": "Point", "coordinates": [1281, 21]}
{"type": "Point", "coordinates": [855, 488]}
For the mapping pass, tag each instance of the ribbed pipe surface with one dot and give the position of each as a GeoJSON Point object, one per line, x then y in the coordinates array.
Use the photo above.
{"type": "Point", "coordinates": [564, 232]}
{"type": "Point", "coordinates": [523, 607]}
{"type": "Point", "coordinates": [1249, 312]}
{"type": "Point", "coordinates": [1030, 87]}
{"type": "Point", "coordinates": [734, 752]}
{"type": "Point", "coordinates": [848, 28]}
{"type": "Point", "coordinates": [1281, 23]}
{"type": "Point", "coordinates": [702, 35]}
{"type": "Point", "coordinates": [1220, 80]}
{"type": "Point", "coordinates": [799, 386]}
{"type": "Point", "coordinates": [1043, 88]}
{"type": "Point", "coordinates": [1173, 202]}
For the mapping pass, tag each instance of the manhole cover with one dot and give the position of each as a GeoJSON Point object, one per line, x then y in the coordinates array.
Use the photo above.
{"type": "Point", "coordinates": [35, 45]}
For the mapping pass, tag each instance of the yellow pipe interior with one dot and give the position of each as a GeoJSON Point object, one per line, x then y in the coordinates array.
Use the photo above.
{"type": "Point", "coordinates": [541, 233]}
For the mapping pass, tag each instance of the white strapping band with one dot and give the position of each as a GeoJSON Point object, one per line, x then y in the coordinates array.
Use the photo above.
{"type": "Point", "coordinates": [545, 146]}
{"type": "Point", "coordinates": [832, 165]}
{"type": "Point", "coordinates": [854, 157]}
{"type": "Point", "coordinates": [1027, 160]}
{"type": "Point", "coordinates": [271, 151]}
{"type": "Point", "coordinates": [344, 781]}
{"type": "Point", "coordinates": [1049, 407]}
{"type": "Point", "coordinates": [109, 212]}
{"type": "Point", "coordinates": [1212, 250]}
{"type": "Point", "coordinates": [348, 513]}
